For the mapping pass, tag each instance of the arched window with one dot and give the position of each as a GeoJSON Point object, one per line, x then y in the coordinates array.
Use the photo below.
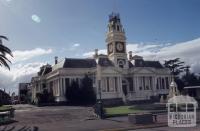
{"type": "Point", "coordinates": [121, 64]}
{"type": "Point", "coordinates": [117, 27]}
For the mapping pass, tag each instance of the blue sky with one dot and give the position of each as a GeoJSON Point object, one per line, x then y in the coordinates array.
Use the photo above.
{"type": "Point", "coordinates": [41, 29]}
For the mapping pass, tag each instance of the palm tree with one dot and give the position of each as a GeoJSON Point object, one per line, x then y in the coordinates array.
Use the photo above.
{"type": "Point", "coordinates": [3, 51]}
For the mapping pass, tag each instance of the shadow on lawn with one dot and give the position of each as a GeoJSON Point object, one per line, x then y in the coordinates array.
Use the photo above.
{"type": "Point", "coordinates": [24, 128]}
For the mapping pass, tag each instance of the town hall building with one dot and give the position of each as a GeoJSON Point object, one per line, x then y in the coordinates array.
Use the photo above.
{"type": "Point", "coordinates": [117, 76]}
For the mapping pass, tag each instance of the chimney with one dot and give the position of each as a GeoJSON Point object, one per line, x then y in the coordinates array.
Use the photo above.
{"type": "Point", "coordinates": [96, 53]}
{"type": "Point", "coordinates": [56, 59]}
{"type": "Point", "coordinates": [130, 55]}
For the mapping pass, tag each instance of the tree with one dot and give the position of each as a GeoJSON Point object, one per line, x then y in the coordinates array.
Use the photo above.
{"type": "Point", "coordinates": [73, 93]}
{"type": "Point", "coordinates": [175, 65]}
{"type": "Point", "coordinates": [3, 52]}
{"type": "Point", "coordinates": [190, 79]}
{"type": "Point", "coordinates": [88, 95]}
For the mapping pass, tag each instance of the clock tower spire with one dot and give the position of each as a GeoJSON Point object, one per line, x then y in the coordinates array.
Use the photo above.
{"type": "Point", "coordinates": [116, 41]}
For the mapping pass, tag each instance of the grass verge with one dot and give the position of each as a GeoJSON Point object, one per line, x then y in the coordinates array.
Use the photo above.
{"type": "Point", "coordinates": [121, 110]}
{"type": "Point", "coordinates": [5, 107]}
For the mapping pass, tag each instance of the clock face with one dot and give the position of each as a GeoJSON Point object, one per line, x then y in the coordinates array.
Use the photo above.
{"type": "Point", "coordinates": [120, 46]}
{"type": "Point", "coordinates": [110, 48]}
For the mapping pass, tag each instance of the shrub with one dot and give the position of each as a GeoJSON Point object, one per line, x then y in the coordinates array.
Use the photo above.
{"type": "Point", "coordinates": [45, 97]}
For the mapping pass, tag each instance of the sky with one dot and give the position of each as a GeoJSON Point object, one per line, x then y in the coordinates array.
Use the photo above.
{"type": "Point", "coordinates": [39, 30]}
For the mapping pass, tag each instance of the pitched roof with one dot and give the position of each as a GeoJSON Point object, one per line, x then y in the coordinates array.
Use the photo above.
{"type": "Point", "coordinates": [79, 63]}
{"type": "Point", "coordinates": [155, 64]}
{"type": "Point", "coordinates": [76, 63]}
{"type": "Point", "coordinates": [142, 63]}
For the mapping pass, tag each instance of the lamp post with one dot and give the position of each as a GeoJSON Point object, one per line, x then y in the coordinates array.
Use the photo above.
{"type": "Point", "coordinates": [100, 104]}
{"type": "Point", "coordinates": [99, 89]}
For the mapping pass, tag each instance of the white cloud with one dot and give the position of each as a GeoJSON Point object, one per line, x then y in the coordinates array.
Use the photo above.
{"type": "Point", "coordinates": [21, 72]}
{"type": "Point", "coordinates": [91, 53]}
{"type": "Point", "coordinates": [188, 51]}
{"type": "Point", "coordinates": [36, 18]}
{"type": "Point", "coordinates": [18, 73]}
{"type": "Point", "coordinates": [74, 46]}
{"type": "Point", "coordinates": [22, 55]}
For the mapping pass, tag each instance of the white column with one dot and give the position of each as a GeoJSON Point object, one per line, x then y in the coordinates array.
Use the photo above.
{"type": "Point", "coordinates": [160, 83]}
{"type": "Point", "coordinates": [54, 88]}
{"type": "Point", "coordinates": [58, 84]}
{"type": "Point", "coordinates": [120, 84]}
{"type": "Point", "coordinates": [133, 83]}
{"type": "Point", "coordinates": [137, 83]}
{"type": "Point", "coordinates": [154, 81]}
{"type": "Point", "coordinates": [164, 83]}
{"type": "Point", "coordinates": [61, 87]}
{"type": "Point", "coordinates": [64, 84]}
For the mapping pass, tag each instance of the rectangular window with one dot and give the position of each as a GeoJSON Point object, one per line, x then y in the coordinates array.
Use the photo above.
{"type": "Point", "coordinates": [140, 83]}
{"type": "Point", "coordinates": [167, 82]}
{"type": "Point", "coordinates": [111, 82]}
{"type": "Point", "coordinates": [131, 84]}
{"type": "Point", "coordinates": [103, 84]}
{"type": "Point", "coordinates": [150, 82]}
{"type": "Point", "coordinates": [147, 83]}
{"type": "Point", "coordinates": [108, 88]}
{"type": "Point", "coordinates": [160, 83]}
{"type": "Point", "coordinates": [144, 86]}
{"type": "Point", "coordinates": [116, 84]}
{"type": "Point", "coordinates": [67, 83]}
{"type": "Point", "coordinates": [157, 83]}
{"type": "Point", "coordinates": [163, 83]}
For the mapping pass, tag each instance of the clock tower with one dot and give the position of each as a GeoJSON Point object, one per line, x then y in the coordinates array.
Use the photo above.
{"type": "Point", "coordinates": [116, 42]}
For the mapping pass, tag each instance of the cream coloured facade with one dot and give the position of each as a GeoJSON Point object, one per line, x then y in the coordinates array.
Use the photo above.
{"type": "Point", "coordinates": [117, 76]}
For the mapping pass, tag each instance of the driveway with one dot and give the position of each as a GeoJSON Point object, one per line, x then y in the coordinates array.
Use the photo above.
{"type": "Point", "coordinates": [72, 118]}
{"type": "Point", "coordinates": [57, 118]}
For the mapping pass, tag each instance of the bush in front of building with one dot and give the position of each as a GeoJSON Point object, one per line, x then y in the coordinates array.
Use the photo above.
{"type": "Point", "coordinates": [45, 97]}
{"type": "Point", "coordinates": [81, 95]}
{"type": "Point", "coordinates": [88, 95]}
{"type": "Point", "coordinates": [73, 93]}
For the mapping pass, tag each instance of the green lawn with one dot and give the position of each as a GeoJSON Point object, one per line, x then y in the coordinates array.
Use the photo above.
{"type": "Point", "coordinates": [121, 110]}
{"type": "Point", "coordinates": [2, 108]}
